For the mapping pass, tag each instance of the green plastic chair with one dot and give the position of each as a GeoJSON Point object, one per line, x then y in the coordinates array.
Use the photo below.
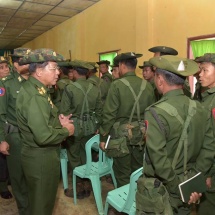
{"type": "Point", "coordinates": [123, 198]}
{"type": "Point", "coordinates": [94, 171]}
{"type": "Point", "coordinates": [63, 163]}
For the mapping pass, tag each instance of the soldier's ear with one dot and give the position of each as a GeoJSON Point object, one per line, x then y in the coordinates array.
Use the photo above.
{"type": "Point", "coordinates": [39, 72]}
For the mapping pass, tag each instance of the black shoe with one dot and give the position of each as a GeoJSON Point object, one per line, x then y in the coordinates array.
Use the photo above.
{"type": "Point", "coordinates": [87, 193]}
{"type": "Point", "coordinates": [6, 195]}
{"type": "Point", "coordinates": [69, 193]}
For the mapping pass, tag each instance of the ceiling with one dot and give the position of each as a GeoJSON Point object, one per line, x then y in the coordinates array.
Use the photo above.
{"type": "Point", "coordinates": [23, 20]}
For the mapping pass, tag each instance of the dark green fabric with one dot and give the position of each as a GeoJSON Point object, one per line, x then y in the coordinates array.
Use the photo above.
{"type": "Point", "coordinates": [107, 77]}
{"type": "Point", "coordinates": [42, 171]}
{"type": "Point", "coordinates": [17, 178]}
{"type": "Point", "coordinates": [160, 149]}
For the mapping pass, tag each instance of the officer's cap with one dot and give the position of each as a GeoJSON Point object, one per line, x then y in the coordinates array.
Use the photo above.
{"type": "Point", "coordinates": [208, 57]}
{"type": "Point", "coordinates": [20, 52]}
{"type": "Point", "coordinates": [3, 59]}
{"type": "Point", "coordinates": [93, 64]}
{"type": "Point", "coordinates": [81, 64]}
{"type": "Point", "coordinates": [179, 66]}
{"type": "Point", "coordinates": [64, 63]}
{"type": "Point", "coordinates": [163, 49]}
{"type": "Point", "coordinates": [40, 56]}
{"type": "Point", "coordinates": [126, 56]}
{"type": "Point", "coordinates": [145, 64]}
{"type": "Point", "coordinates": [107, 62]}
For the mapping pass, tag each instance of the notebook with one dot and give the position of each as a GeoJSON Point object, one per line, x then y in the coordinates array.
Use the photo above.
{"type": "Point", "coordinates": [195, 184]}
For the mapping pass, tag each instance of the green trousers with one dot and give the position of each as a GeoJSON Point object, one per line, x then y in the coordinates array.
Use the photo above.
{"type": "Point", "coordinates": [124, 166]}
{"type": "Point", "coordinates": [76, 151]}
{"type": "Point", "coordinates": [3, 173]}
{"type": "Point", "coordinates": [18, 182]}
{"type": "Point", "coordinates": [42, 171]}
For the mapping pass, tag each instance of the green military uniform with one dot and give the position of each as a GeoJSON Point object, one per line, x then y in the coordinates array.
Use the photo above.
{"type": "Point", "coordinates": [10, 87]}
{"type": "Point", "coordinates": [73, 101]}
{"type": "Point", "coordinates": [166, 120]}
{"type": "Point", "coordinates": [42, 134]}
{"type": "Point", "coordinates": [107, 77]}
{"type": "Point", "coordinates": [117, 109]}
{"type": "Point", "coordinates": [207, 204]}
{"type": "Point", "coordinates": [62, 82]}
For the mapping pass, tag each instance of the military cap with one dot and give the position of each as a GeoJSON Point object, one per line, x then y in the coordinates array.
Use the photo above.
{"type": "Point", "coordinates": [93, 64]}
{"type": "Point", "coordinates": [163, 49]}
{"type": "Point", "coordinates": [198, 59]}
{"type": "Point", "coordinates": [179, 66]}
{"type": "Point", "coordinates": [107, 62]}
{"type": "Point", "coordinates": [40, 56]}
{"type": "Point", "coordinates": [20, 52]}
{"type": "Point", "coordinates": [207, 57]}
{"type": "Point", "coordinates": [126, 56]}
{"type": "Point", "coordinates": [65, 63]}
{"type": "Point", "coordinates": [81, 64]}
{"type": "Point", "coordinates": [145, 64]}
{"type": "Point", "coordinates": [3, 59]}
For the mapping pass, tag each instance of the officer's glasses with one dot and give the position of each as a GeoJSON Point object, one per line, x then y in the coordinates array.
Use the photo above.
{"type": "Point", "coordinates": [54, 68]}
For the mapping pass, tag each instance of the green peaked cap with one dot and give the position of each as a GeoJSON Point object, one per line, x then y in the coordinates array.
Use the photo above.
{"type": "Point", "coordinates": [180, 66]}
{"type": "Point", "coordinates": [145, 64]}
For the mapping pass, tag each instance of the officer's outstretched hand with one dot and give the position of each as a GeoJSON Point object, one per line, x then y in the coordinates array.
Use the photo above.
{"type": "Point", "coordinates": [194, 198]}
{"type": "Point", "coordinates": [102, 146]}
{"type": "Point", "coordinates": [4, 147]}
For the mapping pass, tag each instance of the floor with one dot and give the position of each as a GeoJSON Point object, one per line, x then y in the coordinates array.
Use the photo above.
{"type": "Point", "coordinates": [63, 205]}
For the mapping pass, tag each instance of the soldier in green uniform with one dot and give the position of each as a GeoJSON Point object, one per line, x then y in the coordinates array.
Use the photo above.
{"type": "Point", "coordinates": [115, 71]}
{"type": "Point", "coordinates": [148, 75]}
{"type": "Point", "coordinates": [9, 133]}
{"type": "Point", "coordinates": [127, 99]}
{"type": "Point", "coordinates": [103, 69]}
{"type": "Point", "coordinates": [4, 192]}
{"type": "Point", "coordinates": [42, 130]}
{"type": "Point", "coordinates": [82, 99]}
{"type": "Point", "coordinates": [179, 141]}
{"type": "Point", "coordinates": [207, 81]}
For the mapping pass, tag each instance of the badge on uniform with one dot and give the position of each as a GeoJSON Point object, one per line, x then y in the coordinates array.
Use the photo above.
{"type": "Point", "coordinates": [213, 112]}
{"type": "Point", "coordinates": [2, 91]}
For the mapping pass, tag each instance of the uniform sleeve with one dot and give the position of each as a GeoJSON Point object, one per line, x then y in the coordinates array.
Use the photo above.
{"type": "Point", "coordinates": [3, 110]}
{"type": "Point", "coordinates": [109, 111]}
{"type": "Point", "coordinates": [156, 152]}
{"type": "Point", "coordinates": [98, 109]}
{"type": "Point", "coordinates": [44, 123]}
{"type": "Point", "coordinates": [65, 106]}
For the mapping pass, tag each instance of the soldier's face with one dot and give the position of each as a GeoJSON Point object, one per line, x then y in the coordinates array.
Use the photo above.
{"type": "Point", "coordinates": [4, 70]}
{"type": "Point", "coordinates": [148, 74]}
{"type": "Point", "coordinates": [50, 73]}
{"type": "Point", "coordinates": [207, 74]}
{"type": "Point", "coordinates": [70, 74]}
{"type": "Point", "coordinates": [103, 68]}
{"type": "Point", "coordinates": [115, 72]}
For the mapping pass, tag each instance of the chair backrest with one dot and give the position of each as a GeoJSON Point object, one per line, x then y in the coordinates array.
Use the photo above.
{"type": "Point", "coordinates": [92, 142]}
{"type": "Point", "coordinates": [133, 188]}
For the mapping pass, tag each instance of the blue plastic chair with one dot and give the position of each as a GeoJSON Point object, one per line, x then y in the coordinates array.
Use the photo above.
{"type": "Point", "coordinates": [94, 171]}
{"type": "Point", "coordinates": [63, 163]}
{"type": "Point", "coordinates": [123, 198]}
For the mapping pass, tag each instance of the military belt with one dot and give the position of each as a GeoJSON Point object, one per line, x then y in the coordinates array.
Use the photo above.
{"type": "Point", "coordinates": [9, 128]}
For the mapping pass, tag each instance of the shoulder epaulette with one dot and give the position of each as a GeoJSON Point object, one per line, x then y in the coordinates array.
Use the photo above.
{"type": "Point", "coordinates": [7, 78]}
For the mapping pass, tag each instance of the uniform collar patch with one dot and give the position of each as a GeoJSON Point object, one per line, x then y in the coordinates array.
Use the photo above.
{"type": "Point", "coordinates": [2, 91]}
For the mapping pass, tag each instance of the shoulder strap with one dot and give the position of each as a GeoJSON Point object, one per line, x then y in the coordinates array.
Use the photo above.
{"type": "Point", "coordinates": [85, 102]}
{"type": "Point", "coordinates": [136, 98]}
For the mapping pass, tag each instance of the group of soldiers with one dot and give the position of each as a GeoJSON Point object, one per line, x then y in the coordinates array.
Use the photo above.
{"type": "Point", "coordinates": [47, 101]}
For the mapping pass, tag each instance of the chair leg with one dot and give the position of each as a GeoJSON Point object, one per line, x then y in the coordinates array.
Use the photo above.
{"type": "Point", "coordinates": [74, 188]}
{"type": "Point", "coordinates": [63, 163]}
{"type": "Point", "coordinates": [96, 184]}
{"type": "Point", "coordinates": [106, 207]}
{"type": "Point", "coordinates": [114, 179]}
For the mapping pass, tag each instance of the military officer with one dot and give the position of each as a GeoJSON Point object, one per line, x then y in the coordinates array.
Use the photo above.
{"type": "Point", "coordinates": [103, 69]}
{"type": "Point", "coordinates": [207, 81]}
{"type": "Point", "coordinates": [82, 99]}
{"type": "Point", "coordinates": [127, 99]}
{"type": "Point", "coordinates": [173, 126]}
{"type": "Point", "coordinates": [9, 133]}
{"type": "Point", "coordinates": [42, 130]}
{"type": "Point", "coordinates": [4, 192]}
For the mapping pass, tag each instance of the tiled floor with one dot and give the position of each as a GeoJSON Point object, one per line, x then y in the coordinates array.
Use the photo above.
{"type": "Point", "coordinates": [63, 205]}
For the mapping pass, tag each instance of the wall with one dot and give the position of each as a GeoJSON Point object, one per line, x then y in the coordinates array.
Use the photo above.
{"type": "Point", "coordinates": [129, 25]}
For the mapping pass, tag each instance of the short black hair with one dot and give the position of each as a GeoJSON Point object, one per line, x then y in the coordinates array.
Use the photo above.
{"type": "Point", "coordinates": [34, 66]}
{"type": "Point", "coordinates": [131, 63]}
{"type": "Point", "coordinates": [171, 78]}
{"type": "Point", "coordinates": [65, 69]}
{"type": "Point", "coordinates": [81, 71]}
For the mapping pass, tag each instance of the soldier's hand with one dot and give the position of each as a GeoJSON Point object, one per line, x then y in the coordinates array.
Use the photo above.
{"type": "Point", "coordinates": [102, 146]}
{"type": "Point", "coordinates": [208, 182]}
{"type": "Point", "coordinates": [4, 147]}
{"type": "Point", "coordinates": [194, 198]}
{"type": "Point", "coordinates": [65, 119]}
{"type": "Point", "coordinates": [70, 127]}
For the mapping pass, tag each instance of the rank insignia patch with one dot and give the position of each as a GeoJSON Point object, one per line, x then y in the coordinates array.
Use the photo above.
{"type": "Point", "coordinates": [213, 112]}
{"type": "Point", "coordinates": [2, 91]}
